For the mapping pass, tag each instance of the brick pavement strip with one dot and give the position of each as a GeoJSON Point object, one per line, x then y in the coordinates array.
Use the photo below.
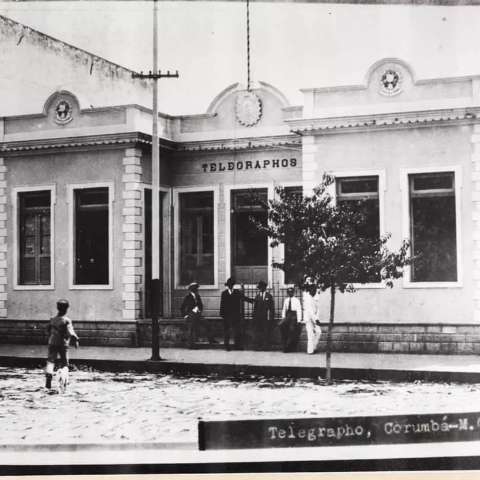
{"type": "Point", "coordinates": [401, 367]}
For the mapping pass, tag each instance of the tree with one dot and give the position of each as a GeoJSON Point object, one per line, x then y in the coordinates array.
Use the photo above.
{"type": "Point", "coordinates": [329, 243]}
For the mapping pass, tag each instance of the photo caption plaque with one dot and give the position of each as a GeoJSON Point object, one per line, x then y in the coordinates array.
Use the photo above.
{"type": "Point", "coordinates": [341, 431]}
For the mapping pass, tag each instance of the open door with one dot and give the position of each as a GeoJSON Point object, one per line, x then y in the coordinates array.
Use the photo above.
{"type": "Point", "coordinates": [148, 252]}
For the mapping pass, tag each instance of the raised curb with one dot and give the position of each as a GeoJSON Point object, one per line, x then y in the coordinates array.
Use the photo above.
{"type": "Point", "coordinates": [165, 366]}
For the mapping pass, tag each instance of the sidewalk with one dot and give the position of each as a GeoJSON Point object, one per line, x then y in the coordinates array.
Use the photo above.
{"type": "Point", "coordinates": [397, 367]}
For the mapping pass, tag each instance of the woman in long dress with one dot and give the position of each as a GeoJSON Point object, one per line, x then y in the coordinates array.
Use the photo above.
{"type": "Point", "coordinates": [311, 317]}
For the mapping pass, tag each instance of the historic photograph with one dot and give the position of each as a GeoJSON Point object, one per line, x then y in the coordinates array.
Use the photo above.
{"type": "Point", "coordinates": [239, 231]}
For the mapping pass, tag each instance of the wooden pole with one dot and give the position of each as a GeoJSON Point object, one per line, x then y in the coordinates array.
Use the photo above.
{"type": "Point", "coordinates": [156, 288]}
{"type": "Point", "coordinates": [156, 285]}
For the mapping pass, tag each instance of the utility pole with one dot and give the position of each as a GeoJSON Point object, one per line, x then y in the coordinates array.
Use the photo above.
{"type": "Point", "coordinates": [156, 286]}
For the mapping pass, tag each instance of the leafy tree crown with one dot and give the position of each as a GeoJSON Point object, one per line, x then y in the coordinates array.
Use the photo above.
{"type": "Point", "coordinates": [324, 240]}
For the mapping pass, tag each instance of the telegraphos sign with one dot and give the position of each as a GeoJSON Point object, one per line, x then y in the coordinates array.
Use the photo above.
{"type": "Point", "coordinates": [249, 165]}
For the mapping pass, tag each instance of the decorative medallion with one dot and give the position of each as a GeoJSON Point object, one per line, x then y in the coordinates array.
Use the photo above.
{"type": "Point", "coordinates": [390, 82]}
{"type": "Point", "coordinates": [248, 108]}
{"type": "Point", "coordinates": [63, 112]}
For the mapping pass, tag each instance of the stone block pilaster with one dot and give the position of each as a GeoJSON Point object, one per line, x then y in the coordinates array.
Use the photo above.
{"type": "Point", "coordinates": [476, 219]}
{"type": "Point", "coordinates": [132, 231]}
{"type": "Point", "coordinates": [309, 163]}
{"type": "Point", "coordinates": [3, 239]}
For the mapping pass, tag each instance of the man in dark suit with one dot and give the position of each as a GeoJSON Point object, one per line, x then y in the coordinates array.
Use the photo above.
{"type": "Point", "coordinates": [263, 316]}
{"type": "Point", "coordinates": [192, 308]}
{"type": "Point", "coordinates": [231, 310]}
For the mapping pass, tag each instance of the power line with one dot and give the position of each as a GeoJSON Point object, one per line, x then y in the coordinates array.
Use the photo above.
{"type": "Point", "coordinates": [248, 45]}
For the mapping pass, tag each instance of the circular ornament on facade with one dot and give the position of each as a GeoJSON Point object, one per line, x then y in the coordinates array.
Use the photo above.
{"type": "Point", "coordinates": [248, 108]}
{"type": "Point", "coordinates": [63, 112]}
{"type": "Point", "coordinates": [390, 82]}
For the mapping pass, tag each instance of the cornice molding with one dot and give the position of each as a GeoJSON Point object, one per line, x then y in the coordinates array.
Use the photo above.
{"type": "Point", "coordinates": [82, 142]}
{"type": "Point", "coordinates": [244, 144]}
{"type": "Point", "coordinates": [413, 119]}
{"type": "Point", "coordinates": [137, 138]}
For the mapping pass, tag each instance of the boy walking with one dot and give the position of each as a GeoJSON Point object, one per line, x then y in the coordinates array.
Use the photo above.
{"type": "Point", "coordinates": [60, 332]}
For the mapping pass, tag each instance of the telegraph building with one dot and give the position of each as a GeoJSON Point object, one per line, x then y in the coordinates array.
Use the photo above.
{"type": "Point", "coordinates": [76, 196]}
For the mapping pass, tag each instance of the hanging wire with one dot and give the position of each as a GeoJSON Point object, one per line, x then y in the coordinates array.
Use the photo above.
{"type": "Point", "coordinates": [248, 45]}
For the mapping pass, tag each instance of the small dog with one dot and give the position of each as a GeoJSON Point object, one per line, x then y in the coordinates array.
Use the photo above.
{"type": "Point", "coordinates": [62, 379]}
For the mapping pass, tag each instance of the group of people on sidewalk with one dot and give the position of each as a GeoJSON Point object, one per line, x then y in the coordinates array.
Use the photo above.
{"type": "Point", "coordinates": [293, 316]}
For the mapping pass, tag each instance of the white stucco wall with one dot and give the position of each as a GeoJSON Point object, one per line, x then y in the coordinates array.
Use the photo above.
{"type": "Point", "coordinates": [391, 152]}
{"type": "Point", "coordinates": [62, 170]}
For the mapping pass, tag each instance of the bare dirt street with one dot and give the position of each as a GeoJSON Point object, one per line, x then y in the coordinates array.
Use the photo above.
{"type": "Point", "coordinates": [133, 407]}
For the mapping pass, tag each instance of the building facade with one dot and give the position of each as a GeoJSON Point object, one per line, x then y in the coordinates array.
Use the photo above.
{"type": "Point", "coordinates": [75, 201]}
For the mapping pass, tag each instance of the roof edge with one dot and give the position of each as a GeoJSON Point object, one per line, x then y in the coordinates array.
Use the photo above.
{"type": "Point", "coordinates": [13, 23]}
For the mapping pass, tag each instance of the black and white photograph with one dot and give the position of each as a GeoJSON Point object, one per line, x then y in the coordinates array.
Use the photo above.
{"type": "Point", "coordinates": [239, 236]}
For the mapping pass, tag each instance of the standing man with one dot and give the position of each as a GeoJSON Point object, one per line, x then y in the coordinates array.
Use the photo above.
{"type": "Point", "coordinates": [291, 323]}
{"type": "Point", "coordinates": [192, 308]}
{"type": "Point", "coordinates": [263, 316]}
{"type": "Point", "coordinates": [231, 303]}
{"type": "Point", "coordinates": [311, 311]}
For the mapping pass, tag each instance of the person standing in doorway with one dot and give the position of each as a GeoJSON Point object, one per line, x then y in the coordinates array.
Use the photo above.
{"type": "Point", "coordinates": [231, 303]}
{"type": "Point", "coordinates": [263, 316]}
{"type": "Point", "coordinates": [311, 316]}
{"type": "Point", "coordinates": [192, 308]}
{"type": "Point", "coordinates": [291, 322]}
{"type": "Point", "coordinates": [60, 332]}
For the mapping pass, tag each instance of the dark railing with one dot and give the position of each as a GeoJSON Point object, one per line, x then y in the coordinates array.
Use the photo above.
{"type": "Point", "coordinates": [278, 292]}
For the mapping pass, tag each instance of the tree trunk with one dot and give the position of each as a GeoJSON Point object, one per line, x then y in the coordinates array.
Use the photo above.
{"type": "Point", "coordinates": [329, 336]}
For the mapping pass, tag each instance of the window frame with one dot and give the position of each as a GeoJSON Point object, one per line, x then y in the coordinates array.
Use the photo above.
{"type": "Point", "coordinates": [279, 252]}
{"type": "Point", "coordinates": [405, 190]}
{"type": "Point", "coordinates": [176, 233]}
{"type": "Point", "coordinates": [382, 186]}
{"type": "Point", "coordinates": [227, 192]}
{"type": "Point", "coordinates": [71, 188]}
{"type": "Point", "coordinates": [16, 235]}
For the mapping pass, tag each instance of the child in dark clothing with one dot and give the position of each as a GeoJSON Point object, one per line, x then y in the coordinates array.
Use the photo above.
{"type": "Point", "coordinates": [60, 332]}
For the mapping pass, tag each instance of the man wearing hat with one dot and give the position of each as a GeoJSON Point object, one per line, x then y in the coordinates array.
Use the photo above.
{"type": "Point", "coordinates": [231, 303]}
{"type": "Point", "coordinates": [291, 322]}
{"type": "Point", "coordinates": [263, 316]}
{"type": "Point", "coordinates": [192, 308]}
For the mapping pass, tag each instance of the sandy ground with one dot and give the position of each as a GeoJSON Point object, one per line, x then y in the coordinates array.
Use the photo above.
{"type": "Point", "coordinates": [132, 407]}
